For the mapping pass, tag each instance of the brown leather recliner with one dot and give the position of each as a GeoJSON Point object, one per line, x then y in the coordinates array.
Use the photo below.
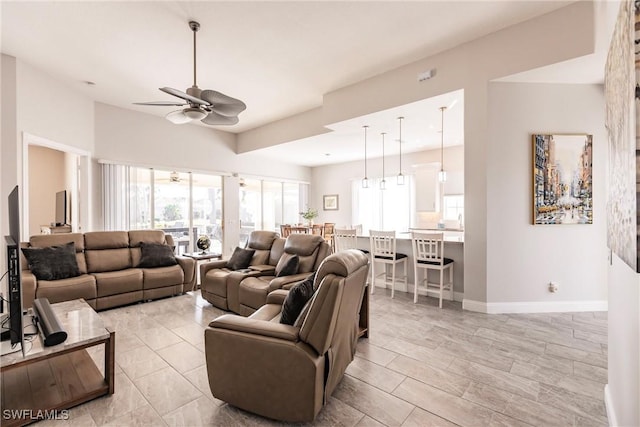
{"type": "Point", "coordinates": [311, 251]}
{"type": "Point", "coordinates": [219, 285]}
{"type": "Point", "coordinates": [288, 372]}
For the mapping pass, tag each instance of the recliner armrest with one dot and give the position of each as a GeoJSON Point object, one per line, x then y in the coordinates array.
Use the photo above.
{"type": "Point", "coordinates": [279, 282]}
{"type": "Point", "coordinates": [277, 297]}
{"type": "Point", "coordinates": [256, 327]}
{"type": "Point", "coordinates": [206, 266]}
{"type": "Point", "coordinates": [265, 270]}
{"type": "Point", "coordinates": [188, 265]}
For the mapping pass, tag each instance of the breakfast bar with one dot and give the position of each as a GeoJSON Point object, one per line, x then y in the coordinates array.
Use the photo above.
{"type": "Point", "coordinates": [453, 248]}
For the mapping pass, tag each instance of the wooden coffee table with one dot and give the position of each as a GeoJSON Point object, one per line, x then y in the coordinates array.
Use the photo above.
{"type": "Point", "coordinates": [49, 379]}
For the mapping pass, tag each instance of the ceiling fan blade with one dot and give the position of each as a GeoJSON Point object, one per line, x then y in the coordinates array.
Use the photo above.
{"type": "Point", "coordinates": [229, 110]}
{"type": "Point", "coordinates": [185, 96]}
{"type": "Point", "coordinates": [217, 119]}
{"type": "Point", "coordinates": [223, 104]}
{"type": "Point", "coordinates": [162, 103]}
{"type": "Point", "coordinates": [177, 117]}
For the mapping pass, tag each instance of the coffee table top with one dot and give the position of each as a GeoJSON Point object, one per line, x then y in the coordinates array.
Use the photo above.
{"type": "Point", "coordinates": [201, 256]}
{"type": "Point", "coordinates": [81, 323]}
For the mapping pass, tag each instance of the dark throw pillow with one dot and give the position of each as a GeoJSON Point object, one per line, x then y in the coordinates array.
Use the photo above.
{"type": "Point", "coordinates": [53, 262]}
{"type": "Point", "coordinates": [288, 267]}
{"type": "Point", "coordinates": [240, 259]}
{"type": "Point", "coordinates": [156, 255]}
{"type": "Point", "coordinates": [298, 296]}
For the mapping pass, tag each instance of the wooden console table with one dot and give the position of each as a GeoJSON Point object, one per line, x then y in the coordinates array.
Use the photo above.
{"type": "Point", "coordinates": [49, 379]}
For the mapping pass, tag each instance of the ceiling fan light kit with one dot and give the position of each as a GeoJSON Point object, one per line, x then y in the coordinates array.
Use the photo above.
{"type": "Point", "coordinates": [209, 106]}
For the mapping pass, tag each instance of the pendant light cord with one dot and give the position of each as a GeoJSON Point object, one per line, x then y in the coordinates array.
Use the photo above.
{"type": "Point", "coordinates": [442, 139]}
{"type": "Point", "coordinates": [400, 142]}
{"type": "Point", "coordinates": [383, 134]}
{"type": "Point", "coordinates": [365, 150]}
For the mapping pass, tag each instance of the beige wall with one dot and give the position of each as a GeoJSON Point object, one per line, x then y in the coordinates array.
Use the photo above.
{"type": "Point", "coordinates": [47, 176]}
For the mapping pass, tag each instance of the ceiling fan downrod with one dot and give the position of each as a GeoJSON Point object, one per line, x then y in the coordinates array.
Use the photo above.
{"type": "Point", "coordinates": [195, 26]}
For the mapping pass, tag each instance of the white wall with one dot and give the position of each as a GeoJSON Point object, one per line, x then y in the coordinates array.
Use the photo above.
{"type": "Point", "coordinates": [337, 179]}
{"type": "Point", "coordinates": [35, 103]}
{"type": "Point", "coordinates": [136, 138]}
{"type": "Point", "coordinates": [522, 258]}
{"type": "Point", "coordinates": [622, 394]}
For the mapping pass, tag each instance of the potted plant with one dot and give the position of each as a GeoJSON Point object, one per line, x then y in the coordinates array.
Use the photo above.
{"type": "Point", "coordinates": [309, 215]}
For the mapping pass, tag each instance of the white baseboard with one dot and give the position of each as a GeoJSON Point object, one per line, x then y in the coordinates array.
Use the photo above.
{"type": "Point", "coordinates": [533, 306]}
{"type": "Point", "coordinates": [608, 404]}
{"type": "Point", "coordinates": [401, 287]}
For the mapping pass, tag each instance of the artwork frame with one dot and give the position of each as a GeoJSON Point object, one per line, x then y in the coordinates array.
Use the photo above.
{"type": "Point", "coordinates": [330, 202]}
{"type": "Point", "coordinates": [562, 184]}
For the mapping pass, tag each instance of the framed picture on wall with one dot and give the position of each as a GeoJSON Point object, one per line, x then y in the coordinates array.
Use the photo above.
{"type": "Point", "coordinates": [562, 179]}
{"type": "Point", "coordinates": [330, 202]}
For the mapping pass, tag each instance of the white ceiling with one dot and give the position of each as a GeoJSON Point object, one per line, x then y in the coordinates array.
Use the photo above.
{"type": "Point", "coordinates": [280, 58]}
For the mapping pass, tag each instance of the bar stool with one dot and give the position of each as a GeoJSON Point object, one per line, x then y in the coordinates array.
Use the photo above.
{"type": "Point", "coordinates": [383, 250]}
{"type": "Point", "coordinates": [428, 254]}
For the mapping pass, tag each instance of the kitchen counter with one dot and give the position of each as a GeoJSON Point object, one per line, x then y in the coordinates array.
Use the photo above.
{"type": "Point", "coordinates": [453, 248]}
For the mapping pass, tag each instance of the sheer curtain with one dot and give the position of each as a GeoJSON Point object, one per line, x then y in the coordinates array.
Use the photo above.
{"type": "Point", "coordinates": [115, 197]}
{"type": "Point", "coordinates": [390, 209]}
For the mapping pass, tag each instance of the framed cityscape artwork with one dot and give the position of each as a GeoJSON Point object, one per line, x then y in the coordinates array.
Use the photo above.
{"type": "Point", "coordinates": [562, 173]}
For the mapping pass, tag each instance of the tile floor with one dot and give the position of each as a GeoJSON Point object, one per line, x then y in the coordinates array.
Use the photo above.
{"type": "Point", "coordinates": [421, 366]}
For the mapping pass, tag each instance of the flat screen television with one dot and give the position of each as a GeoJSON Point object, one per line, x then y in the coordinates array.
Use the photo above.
{"type": "Point", "coordinates": [61, 208]}
{"type": "Point", "coordinates": [14, 286]}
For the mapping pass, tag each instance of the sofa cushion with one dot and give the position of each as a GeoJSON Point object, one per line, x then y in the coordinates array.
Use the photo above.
{"type": "Point", "coordinates": [148, 236]}
{"type": "Point", "coordinates": [241, 258]}
{"type": "Point", "coordinates": [156, 255]}
{"type": "Point", "coordinates": [118, 282]}
{"type": "Point", "coordinates": [53, 262]}
{"type": "Point", "coordinates": [161, 277]}
{"type": "Point", "coordinates": [287, 266]}
{"type": "Point", "coordinates": [44, 240]}
{"type": "Point", "coordinates": [83, 286]}
{"type": "Point", "coordinates": [296, 300]}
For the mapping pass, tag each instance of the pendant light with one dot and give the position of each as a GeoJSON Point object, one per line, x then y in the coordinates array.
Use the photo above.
{"type": "Point", "coordinates": [442, 175]}
{"type": "Point", "coordinates": [400, 175]}
{"type": "Point", "coordinates": [383, 183]}
{"type": "Point", "coordinates": [365, 180]}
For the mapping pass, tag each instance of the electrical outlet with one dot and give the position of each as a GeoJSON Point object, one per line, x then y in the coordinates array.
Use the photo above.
{"type": "Point", "coordinates": [553, 287]}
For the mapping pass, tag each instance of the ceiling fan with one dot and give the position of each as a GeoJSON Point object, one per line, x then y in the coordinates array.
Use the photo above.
{"type": "Point", "coordinates": [209, 106]}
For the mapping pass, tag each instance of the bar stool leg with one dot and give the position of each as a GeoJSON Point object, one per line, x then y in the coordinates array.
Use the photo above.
{"type": "Point", "coordinates": [415, 283]}
{"type": "Point", "coordinates": [451, 282]}
{"type": "Point", "coordinates": [441, 285]}
{"type": "Point", "coordinates": [373, 275]}
{"type": "Point", "coordinates": [393, 279]}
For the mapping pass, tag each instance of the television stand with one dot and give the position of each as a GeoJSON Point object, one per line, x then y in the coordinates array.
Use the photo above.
{"type": "Point", "coordinates": [55, 229]}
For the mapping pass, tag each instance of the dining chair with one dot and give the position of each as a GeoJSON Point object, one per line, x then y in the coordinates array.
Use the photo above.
{"type": "Point", "coordinates": [344, 238]}
{"type": "Point", "coordinates": [285, 230]}
{"type": "Point", "coordinates": [383, 250]}
{"type": "Point", "coordinates": [328, 229]}
{"type": "Point", "coordinates": [428, 254]}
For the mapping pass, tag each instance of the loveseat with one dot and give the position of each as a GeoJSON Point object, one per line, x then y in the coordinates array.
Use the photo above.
{"type": "Point", "coordinates": [246, 290]}
{"type": "Point", "coordinates": [110, 274]}
{"type": "Point", "coordinates": [288, 372]}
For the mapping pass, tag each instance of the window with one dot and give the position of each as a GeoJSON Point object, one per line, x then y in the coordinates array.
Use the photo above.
{"type": "Point", "coordinates": [453, 207]}
{"type": "Point", "coordinates": [390, 209]}
{"type": "Point", "coordinates": [184, 205]}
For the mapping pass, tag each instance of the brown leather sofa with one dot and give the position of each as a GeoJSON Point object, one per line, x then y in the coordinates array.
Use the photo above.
{"type": "Point", "coordinates": [219, 285]}
{"type": "Point", "coordinates": [311, 251]}
{"type": "Point", "coordinates": [243, 292]}
{"type": "Point", "coordinates": [288, 372]}
{"type": "Point", "coordinates": [110, 276]}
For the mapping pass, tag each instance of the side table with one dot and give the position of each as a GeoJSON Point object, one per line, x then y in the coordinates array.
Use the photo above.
{"type": "Point", "coordinates": [201, 257]}
{"type": "Point", "coordinates": [50, 379]}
